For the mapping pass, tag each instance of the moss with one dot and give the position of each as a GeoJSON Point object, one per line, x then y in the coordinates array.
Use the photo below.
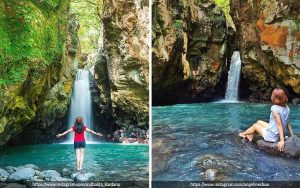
{"type": "Point", "coordinates": [20, 102]}
{"type": "Point", "coordinates": [184, 2]}
{"type": "Point", "coordinates": [225, 6]}
{"type": "Point", "coordinates": [29, 29]}
{"type": "Point", "coordinates": [178, 26]}
{"type": "Point", "coordinates": [3, 122]}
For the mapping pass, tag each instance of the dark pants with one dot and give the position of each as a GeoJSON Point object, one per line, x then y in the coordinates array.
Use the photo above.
{"type": "Point", "coordinates": [79, 145]}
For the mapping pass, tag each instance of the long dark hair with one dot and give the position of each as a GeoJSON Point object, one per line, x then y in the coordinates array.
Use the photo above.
{"type": "Point", "coordinates": [79, 124]}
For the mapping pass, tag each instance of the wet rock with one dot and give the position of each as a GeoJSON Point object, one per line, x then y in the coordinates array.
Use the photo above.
{"type": "Point", "coordinates": [10, 169]}
{"type": "Point", "coordinates": [161, 128]}
{"type": "Point", "coordinates": [85, 177]}
{"type": "Point", "coordinates": [58, 178]}
{"type": "Point", "coordinates": [164, 151]}
{"type": "Point", "coordinates": [210, 174]}
{"type": "Point", "coordinates": [211, 161]}
{"type": "Point", "coordinates": [3, 175]}
{"type": "Point", "coordinates": [215, 167]}
{"type": "Point", "coordinates": [66, 172]}
{"type": "Point", "coordinates": [291, 147]}
{"type": "Point", "coordinates": [208, 162]}
{"type": "Point", "coordinates": [36, 178]}
{"type": "Point", "coordinates": [38, 173]}
{"type": "Point", "coordinates": [296, 101]}
{"type": "Point", "coordinates": [74, 175]}
{"type": "Point", "coordinates": [49, 174]}
{"type": "Point", "coordinates": [32, 166]}
{"type": "Point", "coordinates": [22, 174]}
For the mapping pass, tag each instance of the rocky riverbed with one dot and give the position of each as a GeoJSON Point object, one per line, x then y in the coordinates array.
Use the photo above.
{"type": "Point", "coordinates": [200, 142]}
{"type": "Point", "coordinates": [31, 172]}
{"type": "Point", "coordinates": [107, 161]}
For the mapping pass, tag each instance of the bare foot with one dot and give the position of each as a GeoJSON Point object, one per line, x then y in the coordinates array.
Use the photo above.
{"type": "Point", "coordinates": [241, 134]}
{"type": "Point", "coordinates": [250, 137]}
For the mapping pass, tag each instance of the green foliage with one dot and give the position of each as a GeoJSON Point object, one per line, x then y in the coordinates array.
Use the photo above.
{"type": "Point", "coordinates": [47, 5]}
{"type": "Point", "coordinates": [225, 6]}
{"type": "Point", "coordinates": [178, 26]}
{"type": "Point", "coordinates": [88, 13]}
{"type": "Point", "coordinates": [29, 31]}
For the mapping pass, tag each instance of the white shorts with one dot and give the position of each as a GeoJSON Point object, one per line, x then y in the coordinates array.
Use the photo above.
{"type": "Point", "coordinates": [269, 136]}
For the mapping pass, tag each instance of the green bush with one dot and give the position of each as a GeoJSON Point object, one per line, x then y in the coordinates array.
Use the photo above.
{"type": "Point", "coordinates": [29, 30]}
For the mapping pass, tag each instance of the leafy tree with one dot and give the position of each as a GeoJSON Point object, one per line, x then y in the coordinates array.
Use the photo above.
{"type": "Point", "coordinates": [88, 13]}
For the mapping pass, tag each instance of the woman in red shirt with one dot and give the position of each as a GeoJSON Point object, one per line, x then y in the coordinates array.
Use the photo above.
{"type": "Point", "coordinates": [79, 140]}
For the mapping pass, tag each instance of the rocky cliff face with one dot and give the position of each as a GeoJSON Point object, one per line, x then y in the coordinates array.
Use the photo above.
{"type": "Point", "coordinates": [37, 50]}
{"type": "Point", "coordinates": [189, 51]}
{"type": "Point", "coordinates": [121, 67]}
{"type": "Point", "coordinates": [268, 33]}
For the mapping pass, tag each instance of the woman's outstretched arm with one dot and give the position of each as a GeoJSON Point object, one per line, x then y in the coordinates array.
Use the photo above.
{"type": "Point", "coordinates": [280, 144]}
{"type": "Point", "coordinates": [93, 132]}
{"type": "Point", "coordinates": [66, 132]}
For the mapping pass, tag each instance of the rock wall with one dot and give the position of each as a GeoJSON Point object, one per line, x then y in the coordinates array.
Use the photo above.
{"type": "Point", "coordinates": [189, 51]}
{"type": "Point", "coordinates": [122, 63]}
{"type": "Point", "coordinates": [38, 49]}
{"type": "Point", "coordinates": [268, 35]}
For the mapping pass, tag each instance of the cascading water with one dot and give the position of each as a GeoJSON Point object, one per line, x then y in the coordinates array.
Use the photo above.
{"type": "Point", "coordinates": [81, 104]}
{"type": "Point", "coordinates": [233, 77]}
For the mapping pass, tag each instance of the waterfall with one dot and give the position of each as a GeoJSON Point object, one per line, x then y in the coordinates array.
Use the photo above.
{"type": "Point", "coordinates": [233, 77]}
{"type": "Point", "coordinates": [81, 104]}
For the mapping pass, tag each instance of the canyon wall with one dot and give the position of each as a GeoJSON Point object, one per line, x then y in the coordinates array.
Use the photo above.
{"type": "Point", "coordinates": [122, 64]}
{"type": "Point", "coordinates": [268, 36]}
{"type": "Point", "coordinates": [189, 51]}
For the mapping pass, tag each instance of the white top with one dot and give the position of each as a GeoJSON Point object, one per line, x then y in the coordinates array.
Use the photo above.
{"type": "Point", "coordinates": [283, 113]}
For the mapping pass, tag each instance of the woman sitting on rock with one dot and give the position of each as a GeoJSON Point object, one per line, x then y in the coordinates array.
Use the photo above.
{"type": "Point", "coordinates": [278, 123]}
{"type": "Point", "coordinates": [79, 140]}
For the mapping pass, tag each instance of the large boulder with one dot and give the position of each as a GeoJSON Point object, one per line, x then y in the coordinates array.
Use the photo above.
{"type": "Point", "coordinates": [32, 166]}
{"type": "Point", "coordinates": [211, 174]}
{"type": "Point", "coordinates": [11, 169]}
{"type": "Point", "coordinates": [74, 175]}
{"type": "Point", "coordinates": [58, 178]}
{"type": "Point", "coordinates": [214, 167]}
{"type": "Point", "coordinates": [66, 172]}
{"type": "Point", "coordinates": [80, 177]}
{"type": "Point", "coordinates": [38, 174]}
{"type": "Point", "coordinates": [85, 177]}
{"type": "Point", "coordinates": [21, 175]}
{"type": "Point", "coordinates": [3, 175]}
{"type": "Point", "coordinates": [291, 147]}
{"type": "Point", "coordinates": [48, 175]}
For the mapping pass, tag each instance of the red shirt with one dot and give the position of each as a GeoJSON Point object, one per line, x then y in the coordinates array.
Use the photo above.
{"type": "Point", "coordinates": [79, 137]}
